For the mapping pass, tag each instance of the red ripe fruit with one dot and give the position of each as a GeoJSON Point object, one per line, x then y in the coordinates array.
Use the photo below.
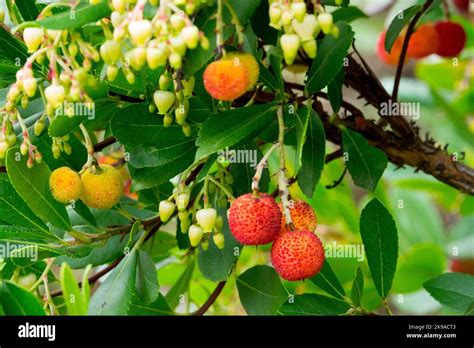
{"type": "Point", "coordinates": [423, 42]}
{"type": "Point", "coordinates": [302, 214]}
{"type": "Point", "coordinates": [226, 80]}
{"type": "Point", "coordinates": [254, 220]}
{"type": "Point", "coordinates": [462, 5]}
{"type": "Point", "coordinates": [452, 38]}
{"type": "Point", "coordinates": [297, 255]}
{"type": "Point", "coordinates": [392, 57]}
{"type": "Point", "coordinates": [463, 266]}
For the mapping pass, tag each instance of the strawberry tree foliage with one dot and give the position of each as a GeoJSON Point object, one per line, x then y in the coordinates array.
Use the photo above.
{"type": "Point", "coordinates": [191, 104]}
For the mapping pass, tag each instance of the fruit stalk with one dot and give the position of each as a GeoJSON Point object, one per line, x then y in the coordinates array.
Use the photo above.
{"type": "Point", "coordinates": [220, 29]}
{"type": "Point", "coordinates": [282, 181]}
{"type": "Point", "coordinates": [260, 166]}
{"type": "Point", "coordinates": [91, 160]}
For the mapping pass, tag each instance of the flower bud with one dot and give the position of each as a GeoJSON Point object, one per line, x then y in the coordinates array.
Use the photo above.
{"type": "Point", "coordinates": [29, 162]}
{"type": "Point", "coordinates": [219, 223]}
{"type": "Point", "coordinates": [156, 57]}
{"type": "Point", "coordinates": [219, 240]}
{"type": "Point", "coordinates": [55, 95]}
{"type": "Point", "coordinates": [335, 31]}
{"type": "Point", "coordinates": [308, 28]}
{"type": "Point", "coordinates": [56, 150]}
{"type": "Point", "coordinates": [325, 21]}
{"type": "Point", "coordinates": [299, 10]}
{"type": "Point", "coordinates": [130, 77]}
{"type": "Point", "coordinates": [112, 72]}
{"type": "Point", "coordinates": [310, 47]}
{"type": "Point", "coordinates": [140, 31]}
{"type": "Point", "coordinates": [175, 61]}
{"type": "Point", "coordinates": [287, 17]}
{"type": "Point", "coordinates": [167, 120]}
{"type": "Point", "coordinates": [186, 128]}
{"type": "Point", "coordinates": [38, 157]}
{"type": "Point", "coordinates": [290, 44]}
{"type": "Point", "coordinates": [164, 81]}
{"type": "Point", "coordinates": [33, 38]}
{"type": "Point", "coordinates": [39, 127]}
{"type": "Point", "coordinates": [110, 51]}
{"type": "Point", "coordinates": [117, 18]}
{"type": "Point", "coordinates": [24, 148]}
{"type": "Point", "coordinates": [181, 112]}
{"type": "Point", "coordinates": [29, 86]}
{"type": "Point", "coordinates": [164, 100]}
{"type": "Point", "coordinates": [166, 210]}
{"type": "Point", "coordinates": [3, 149]}
{"type": "Point", "coordinates": [206, 218]}
{"type": "Point", "coordinates": [10, 139]}
{"type": "Point", "coordinates": [2, 15]}
{"type": "Point", "coordinates": [183, 215]}
{"type": "Point", "coordinates": [182, 201]}
{"type": "Point", "coordinates": [195, 235]}
{"type": "Point", "coordinates": [188, 86]}
{"type": "Point", "coordinates": [119, 5]}
{"type": "Point", "coordinates": [177, 22]}
{"type": "Point", "coordinates": [178, 45]}
{"type": "Point", "coordinates": [275, 13]}
{"type": "Point", "coordinates": [73, 50]}
{"type": "Point", "coordinates": [190, 35]}
{"type": "Point", "coordinates": [204, 42]}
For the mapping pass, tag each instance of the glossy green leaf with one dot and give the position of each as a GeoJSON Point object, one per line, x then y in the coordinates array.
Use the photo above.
{"type": "Point", "coordinates": [313, 153]}
{"type": "Point", "coordinates": [115, 293]}
{"type": "Point", "coordinates": [32, 184]}
{"type": "Point", "coordinates": [365, 163]}
{"type": "Point", "coordinates": [327, 280]}
{"type": "Point", "coordinates": [158, 308]}
{"type": "Point", "coordinates": [75, 302]}
{"type": "Point", "coordinates": [335, 90]}
{"type": "Point", "coordinates": [357, 289]}
{"type": "Point", "coordinates": [176, 293]}
{"type": "Point", "coordinates": [330, 59]}
{"type": "Point", "coordinates": [231, 127]}
{"type": "Point", "coordinates": [147, 280]}
{"type": "Point", "coordinates": [16, 300]}
{"type": "Point", "coordinates": [380, 238]}
{"type": "Point", "coordinates": [348, 14]}
{"type": "Point", "coordinates": [261, 291]}
{"type": "Point", "coordinates": [454, 290]}
{"type": "Point", "coordinates": [81, 15]}
{"type": "Point", "coordinates": [313, 304]}
{"type": "Point", "coordinates": [397, 25]}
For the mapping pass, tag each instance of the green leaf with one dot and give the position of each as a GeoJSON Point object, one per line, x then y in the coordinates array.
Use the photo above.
{"type": "Point", "coordinates": [16, 300]}
{"type": "Point", "coordinates": [231, 127]}
{"type": "Point", "coordinates": [75, 302]}
{"type": "Point", "coordinates": [379, 235]}
{"type": "Point", "coordinates": [83, 211]}
{"type": "Point", "coordinates": [338, 3]}
{"type": "Point", "coordinates": [313, 304]}
{"type": "Point", "coordinates": [10, 48]}
{"type": "Point", "coordinates": [77, 18]}
{"type": "Point", "coordinates": [313, 153]}
{"type": "Point", "coordinates": [181, 286]}
{"type": "Point", "coordinates": [27, 9]}
{"type": "Point", "coordinates": [62, 125]}
{"type": "Point", "coordinates": [244, 8]}
{"type": "Point", "coordinates": [347, 14]}
{"type": "Point", "coordinates": [147, 280]}
{"type": "Point", "coordinates": [357, 287]}
{"type": "Point", "coordinates": [365, 163]}
{"type": "Point", "coordinates": [419, 264]}
{"type": "Point", "coordinates": [158, 307]}
{"type": "Point", "coordinates": [261, 291]}
{"type": "Point", "coordinates": [302, 120]}
{"type": "Point", "coordinates": [144, 129]}
{"type": "Point", "coordinates": [455, 290]}
{"type": "Point", "coordinates": [330, 59]}
{"type": "Point", "coordinates": [397, 25]}
{"type": "Point", "coordinates": [326, 279]}
{"type": "Point", "coordinates": [267, 77]}
{"type": "Point", "coordinates": [33, 186]}
{"type": "Point", "coordinates": [141, 157]}
{"type": "Point", "coordinates": [335, 90]}
{"type": "Point", "coordinates": [15, 211]}
{"type": "Point", "coordinates": [114, 295]}
{"type": "Point", "coordinates": [214, 263]}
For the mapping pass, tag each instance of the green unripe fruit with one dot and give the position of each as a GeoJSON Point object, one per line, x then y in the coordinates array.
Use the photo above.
{"type": "Point", "coordinates": [39, 127]}
{"type": "Point", "coordinates": [186, 128]}
{"type": "Point", "coordinates": [67, 148]}
{"type": "Point", "coordinates": [167, 120]}
{"type": "Point", "coordinates": [182, 201]}
{"type": "Point", "coordinates": [164, 81]}
{"type": "Point", "coordinates": [181, 112]}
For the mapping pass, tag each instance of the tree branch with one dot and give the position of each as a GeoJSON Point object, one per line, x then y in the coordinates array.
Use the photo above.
{"type": "Point", "coordinates": [210, 301]}
{"type": "Point", "coordinates": [406, 41]}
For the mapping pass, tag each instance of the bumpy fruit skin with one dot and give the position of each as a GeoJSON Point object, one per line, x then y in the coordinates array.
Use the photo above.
{"type": "Point", "coordinates": [452, 39]}
{"type": "Point", "coordinates": [249, 62]}
{"type": "Point", "coordinates": [423, 42]}
{"type": "Point", "coordinates": [225, 80]}
{"type": "Point", "coordinates": [255, 220]}
{"type": "Point", "coordinates": [392, 57]}
{"type": "Point", "coordinates": [297, 255]}
{"type": "Point", "coordinates": [463, 265]}
{"type": "Point", "coordinates": [102, 189]}
{"type": "Point", "coordinates": [65, 185]}
{"type": "Point", "coordinates": [302, 214]}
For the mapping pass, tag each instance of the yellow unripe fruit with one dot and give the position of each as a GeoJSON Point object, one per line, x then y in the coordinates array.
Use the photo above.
{"type": "Point", "coordinates": [65, 185]}
{"type": "Point", "coordinates": [248, 61]}
{"type": "Point", "coordinates": [102, 189]}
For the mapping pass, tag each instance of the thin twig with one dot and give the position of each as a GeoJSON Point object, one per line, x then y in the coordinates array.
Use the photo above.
{"type": "Point", "coordinates": [210, 301]}
{"type": "Point", "coordinates": [406, 41]}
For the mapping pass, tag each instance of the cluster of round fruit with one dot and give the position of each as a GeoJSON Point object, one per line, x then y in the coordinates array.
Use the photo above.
{"type": "Point", "coordinates": [445, 38]}
{"type": "Point", "coordinates": [206, 221]}
{"type": "Point", "coordinates": [256, 219]}
{"type": "Point", "coordinates": [230, 77]}
{"type": "Point", "coordinates": [98, 187]}
{"type": "Point", "coordinates": [300, 27]}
